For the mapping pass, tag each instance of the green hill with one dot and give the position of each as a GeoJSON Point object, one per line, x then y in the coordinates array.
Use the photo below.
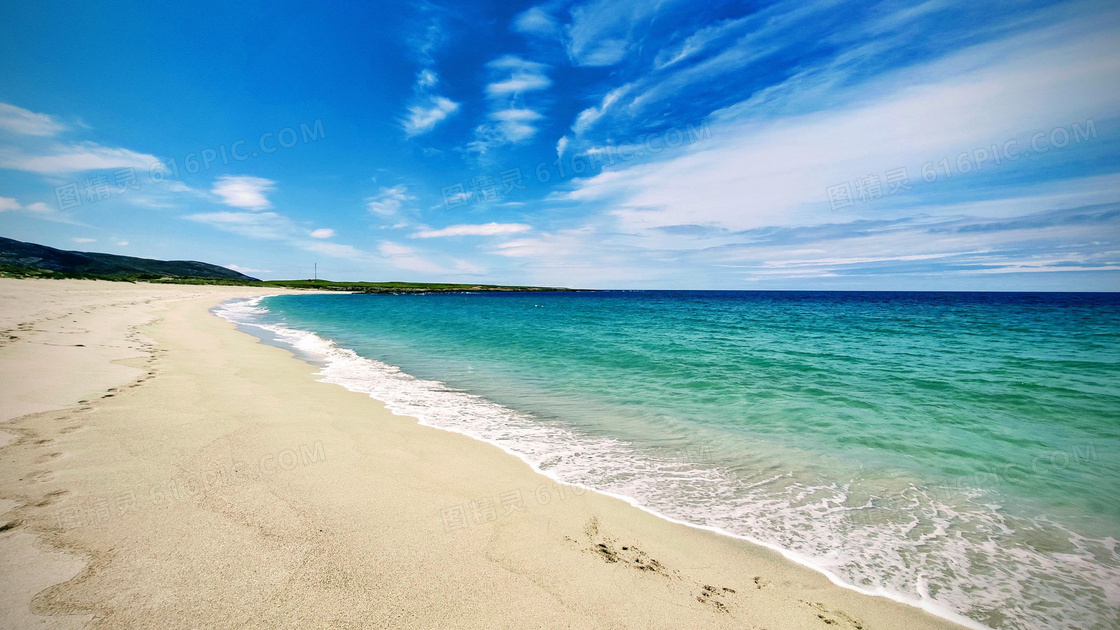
{"type": "Point", "coordinates": [29, 259]}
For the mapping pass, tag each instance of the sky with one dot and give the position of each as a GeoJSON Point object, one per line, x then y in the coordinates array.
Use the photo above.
{"type": "Point", "coordinates": [631, 144]}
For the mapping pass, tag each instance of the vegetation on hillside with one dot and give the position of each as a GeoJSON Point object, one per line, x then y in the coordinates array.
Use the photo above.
{"type": "Point", "coordinates": [12, 271]}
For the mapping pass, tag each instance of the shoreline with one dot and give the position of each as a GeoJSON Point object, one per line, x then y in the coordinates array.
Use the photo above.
{"type": "Point", "coordinates": [215, 397]}
{"type": "Point", "coordinates": [271, 337]}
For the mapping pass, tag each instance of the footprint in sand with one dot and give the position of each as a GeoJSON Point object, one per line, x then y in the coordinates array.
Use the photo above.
{"type": "Point", "coordinates": [51, 497]}
{"type": "Point", "coordinates": [609, 550]}
{"type": "Point", "coordinates": [42, 476]}
{"type": "Point", "coordinates": [835, 617]}
{"type": "Point", "coordinates": [714, 596]}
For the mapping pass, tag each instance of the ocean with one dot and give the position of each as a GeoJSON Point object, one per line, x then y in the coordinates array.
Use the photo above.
{"type": "Point", "coordinates": [956, 451]}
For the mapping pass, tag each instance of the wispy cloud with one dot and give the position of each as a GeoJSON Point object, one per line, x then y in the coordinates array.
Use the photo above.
{"type": "Point", "coordinates": [511, 119]}
{"type": "Point", "coordinates": [243, 191]}
{"type": "Point", "coordinates": [277, 227]}
{"type": "Point", "coordinates": [28, 123]}
{"type": "Point", "coordinates": [428, 111]}
{"type": "Point", "coordinates": [537, 21]}
{"type": "Point", "coordinates": [38, 207]}
{"type": "Point", "coordinates": [389, 201]}
{"type": "Point", "coordinates": [774, 171]}
{"type": "Point", "coordinates": [548, 246]}
{"type": "Point", "coordinates": [409, 259]}
{"type": "Point", "coordinates": [697, 42]}
{"type": "Point", "coordinates": [265, 225]}
{"type": "Point", "coordinates": [62, 159]}
{"type": "Point", "coordinates": [428, 108]}
{"type": "Point", "coordinates": [322, 233]}
{"type": "Point", "coordinates": [591, 115]}
{"type": "Point", "coordinates": [240, 269]}
{"type": "Point", "coordinates": [523, 76]}
{"type": "Point", "coordinates": [602, 32]}
{"type": "Point", "coordinates": [484, 229]}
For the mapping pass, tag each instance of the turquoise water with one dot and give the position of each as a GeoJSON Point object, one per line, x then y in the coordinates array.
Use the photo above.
{"type": "Point", "coordinates": [957, 451]}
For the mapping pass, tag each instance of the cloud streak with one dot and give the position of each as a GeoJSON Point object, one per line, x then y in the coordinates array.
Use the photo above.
{"type": "Point", "coordinates": [242, 191]}
{"type": "Point", "coordinates": [64, 159]}
{"type": "Point", "coordinates": [389, 201]}
{"type": "Point", "coordinates": [485, 229]}
{"type": "Point", "coordinates": [28, 123]}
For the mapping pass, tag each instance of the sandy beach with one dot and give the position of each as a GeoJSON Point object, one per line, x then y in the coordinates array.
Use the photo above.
{"type": "Point", "coordinates": [162, 469]}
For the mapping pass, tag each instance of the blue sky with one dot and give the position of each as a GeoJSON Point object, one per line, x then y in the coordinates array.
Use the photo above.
{"type": "Point", "coordinates": [626, 144]}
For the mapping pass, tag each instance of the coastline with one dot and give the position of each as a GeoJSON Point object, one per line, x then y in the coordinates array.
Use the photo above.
{"type": "Point", "coordinates": [314, 504]}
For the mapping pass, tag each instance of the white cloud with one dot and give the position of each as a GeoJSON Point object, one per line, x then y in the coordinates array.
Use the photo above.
{"type": "Point", "coordinates": [389, 248]}
{"type": "Point", "coordinates": [84, 240]}
{"type": "Point", "coordinates": [536, 21]}
{"type": "Point", "coordinates": [551, 246]}
{"type": "Point", "coordinates": [512, 121]}
{"type": "Point", "coordinates": [517, 76]}
{"type": "Point", "coordinates": [22, 121]}
{"type": "Point", "coordinates": [697, 42]}
{"type": "Point", "coordinates": [266, 225]}
{"type": "Point", "coordinates": [510, 125]}
{"type": "Point", "coordinates": [243, 191]}
{"type": "Point", "coordinates": [122, 243]}
{"type": "Point", "coordinates": [485, 229]}
{"type": "Point", "coordinates": [424, 116]}
{"type": "Point", "coordinates": [601, 31]}
{"type": "Point", "coordinates": [427, 79]}
{"type": "Point", "coordinates": [85, 156]}
{"type": "Point", "coordinates": [277, 227]}
{"type": "Point", "coordinates": [240, 269]}
{"type": "Point", "coordinates": [388, 201]}
{"type": "Point", "coordinates": [591, 115]}
{"type": "Point", "coordinates": [407, 258]}
{"type": "Point", "coordinates": [8, 203]}
{"type": "Point", "coordinates": [338, 250]}
{"type": "Point", "coordinates": [428, 108]}
{"type": "Point", "coordinates": [516, 124]}
{"type": "Point", "coordinates": [561, 146]}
